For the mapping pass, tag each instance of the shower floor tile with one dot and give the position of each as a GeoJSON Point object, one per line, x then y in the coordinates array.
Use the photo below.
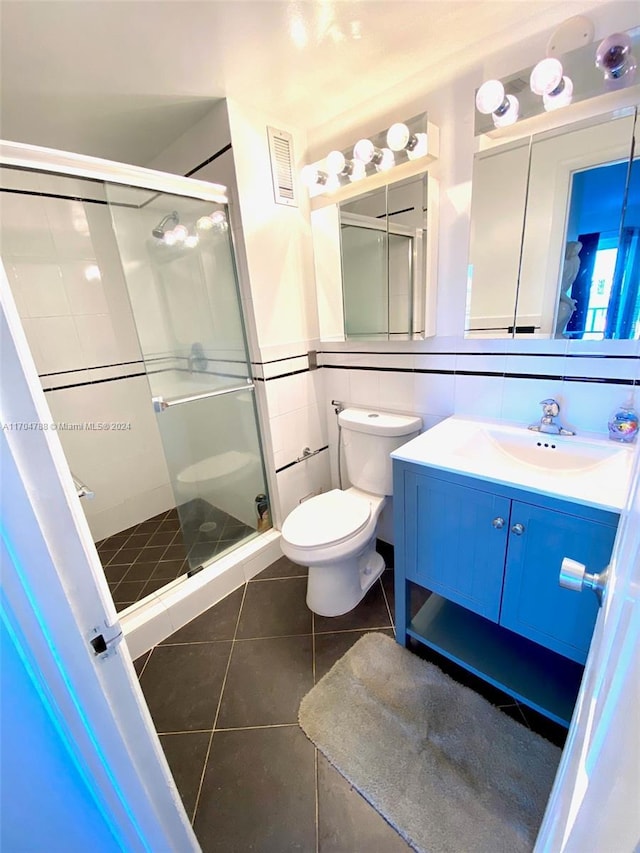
{"type": "Point", "coordinates": [262, 777]}
{"type": "Point", "coordinates": [136, 560]}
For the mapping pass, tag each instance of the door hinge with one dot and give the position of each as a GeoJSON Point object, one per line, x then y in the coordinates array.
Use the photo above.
{"type": "Point", "coordinates": [105, 639]}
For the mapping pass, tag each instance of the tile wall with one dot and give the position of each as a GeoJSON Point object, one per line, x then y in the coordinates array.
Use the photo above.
{"type": "Point", "coordinates": [63, 265]}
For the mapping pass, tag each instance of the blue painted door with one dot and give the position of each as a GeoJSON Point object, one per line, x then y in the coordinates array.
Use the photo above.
{"type": "Point", "coordinates": [454, 543]}
{"type": "Point", "coordinates": [533, 602]}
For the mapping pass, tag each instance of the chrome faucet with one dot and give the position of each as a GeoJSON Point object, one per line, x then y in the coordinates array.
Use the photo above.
{"type": "Point", "coordinates": [548, 423]}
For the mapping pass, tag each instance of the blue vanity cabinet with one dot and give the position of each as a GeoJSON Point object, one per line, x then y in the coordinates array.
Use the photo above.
{"type": "Point", "coordinates": [533, 603]}
{"type": "Point", "coordinates": [490, 557]}
{"type": "Point", "coordinates": [455, 541]}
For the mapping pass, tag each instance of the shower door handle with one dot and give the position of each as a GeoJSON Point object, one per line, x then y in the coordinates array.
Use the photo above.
{"type": "Point", "coordinates": [160, 403]}
{"type": "Point", "coordinates": [81, 490]}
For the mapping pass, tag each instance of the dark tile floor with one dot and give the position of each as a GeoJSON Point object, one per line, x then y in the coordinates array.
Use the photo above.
{"type": "Point", "coordinates": [142, 559]}
{"type": "Point", "coordinates": [224, 693]}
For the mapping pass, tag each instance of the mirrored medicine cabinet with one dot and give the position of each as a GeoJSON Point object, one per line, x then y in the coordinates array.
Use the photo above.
{"type": "Point", "coordinates": [375, 262]}
{"type": "Point", "coordinates": [555, 234]}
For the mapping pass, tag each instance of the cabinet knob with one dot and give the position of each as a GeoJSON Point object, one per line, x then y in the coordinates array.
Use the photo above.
{"type": "Point", "coordinates": [518, 529]}
{"type": "Point", "coordinates": [498, 523]}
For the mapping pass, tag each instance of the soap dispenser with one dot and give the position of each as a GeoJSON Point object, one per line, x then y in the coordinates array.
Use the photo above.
{"type": "Point", "coordinates": [623, 424]}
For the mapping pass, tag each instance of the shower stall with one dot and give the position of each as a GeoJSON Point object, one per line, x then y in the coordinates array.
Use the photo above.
{"type": "Point", "coordinates": [126, 285]}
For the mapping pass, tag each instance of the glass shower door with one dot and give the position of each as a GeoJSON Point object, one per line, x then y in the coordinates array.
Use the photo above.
{"type": "Point", "coordinates": [178, 263]}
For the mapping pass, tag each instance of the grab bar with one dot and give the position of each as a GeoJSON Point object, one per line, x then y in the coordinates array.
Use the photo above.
{"type": "Point", "coordinates": [160, 404]}
{"type": "Point", "coordinates": [82, 490]}
{"type": "Point", "coordinates": [307, 453]}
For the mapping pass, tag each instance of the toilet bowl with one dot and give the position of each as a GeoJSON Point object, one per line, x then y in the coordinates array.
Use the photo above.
{"type": "Point", "coordinates": [334, 533]}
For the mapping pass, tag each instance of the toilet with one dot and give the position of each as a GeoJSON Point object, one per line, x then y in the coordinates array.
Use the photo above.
{"type": "Point", "coordinates": [334, 533]}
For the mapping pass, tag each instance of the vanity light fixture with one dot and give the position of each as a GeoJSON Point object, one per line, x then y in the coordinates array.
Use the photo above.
{"type": "Point", "coordinates": [396, 146]}
{"type": "Point", "coordinates": [615, 59]}
{"type": "Point", "coordinates": [400, 138]}
{"type": "Point", "coordinates": [548, 80]}
{"type": "Point", "coordinates": [337, 165]}
{"type": "Point", "coordinates": [365, 151]}
{"type": "Point", "coordinates": [491, 99]}
{"type": "Point", "coordinates": [312, 176]}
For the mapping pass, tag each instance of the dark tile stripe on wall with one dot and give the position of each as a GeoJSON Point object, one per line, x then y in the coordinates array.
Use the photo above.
{"type": "Point", "coordinates": [304, 459]}
{"type": "Point", "coordinates": [206, 162]}
{"type": "Point", "coordinates": [92, 382]}
{"type": "Point", "coordinates": [457, 353]}
{"type": "Point", "coordinates": [556, 377]}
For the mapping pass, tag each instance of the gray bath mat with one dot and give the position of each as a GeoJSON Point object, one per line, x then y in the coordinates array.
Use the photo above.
{"type": "Point", "coordinates": [448, 770]}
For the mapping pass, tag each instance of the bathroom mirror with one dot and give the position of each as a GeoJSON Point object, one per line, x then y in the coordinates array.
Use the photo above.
{"type": "Point", "coordinates": [550, 254]}
{"type": "Point", "coordinates": [374, 259]}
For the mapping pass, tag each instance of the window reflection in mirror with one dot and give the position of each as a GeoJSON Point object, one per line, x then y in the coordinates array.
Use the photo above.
{"type": "Point", "coordinates": [383, 261]}
{"type": "Point", "coordinates": [574, 272]}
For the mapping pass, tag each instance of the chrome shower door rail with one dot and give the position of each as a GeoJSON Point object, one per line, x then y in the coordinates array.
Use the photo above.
{"type": "Point", "coordinates": [160, 404]}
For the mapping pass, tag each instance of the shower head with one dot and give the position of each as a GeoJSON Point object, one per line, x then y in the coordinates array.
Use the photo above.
{"type": "Point", "coordinates": [170, 219]}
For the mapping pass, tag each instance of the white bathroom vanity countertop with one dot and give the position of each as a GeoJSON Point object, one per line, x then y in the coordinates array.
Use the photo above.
{"type": "Point", "coordinates": [591, 471]}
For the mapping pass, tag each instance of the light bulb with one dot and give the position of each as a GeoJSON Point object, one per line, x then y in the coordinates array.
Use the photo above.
{"type": "Point", "coordinates": [614, 57]}
{"type": "Point", "coordinates": [386, 160]}
{"type": "Point", "coordinates": [364, 150]}
{"type": "Point", "coordinates": [490, 96]}
{"type": "Point", "coordinates": [205, 223]}
{"type": "Point", "coordinates": [508, 114]}
{"type": "Point", "coordinates": [180, 233]}
{"type": "Point", "coordinates": [546, 76]}
{"type": "Point", "coordinates": [192, 241]}
{"type": "Point", "coordinates": [358, 170]}
{"type": "Point", "coordinates": [398, 136]}
{"type": "Point", "coordinates": [421, 147]}
{"type": "Point", "coordinates": [170, 238]}
{"type": "Point", "coordinates": [311, 176]}
{"type": "Point", "coordinates": [561, 96]}
{"type": "Point", "coordinates": [335, 162]}
{"type": "Point", "coordinates": [217, 218]}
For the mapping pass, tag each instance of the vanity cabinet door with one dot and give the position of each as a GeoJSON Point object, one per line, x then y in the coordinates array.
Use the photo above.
{"type": "Point", "coordinates": [533, 602]}
{"type": "Point", "coordinates": [455, 541]}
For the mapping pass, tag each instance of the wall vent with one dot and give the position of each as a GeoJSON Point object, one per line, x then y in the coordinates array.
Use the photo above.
{"type": "Point", "coordinates": [281, 153]}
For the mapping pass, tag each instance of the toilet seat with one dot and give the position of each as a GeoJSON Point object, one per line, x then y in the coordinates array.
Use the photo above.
{"type": "Point", "coordinates": [327, 519]}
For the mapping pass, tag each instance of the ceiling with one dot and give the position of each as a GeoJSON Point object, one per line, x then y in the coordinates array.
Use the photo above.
{"type": "Point", "coordinates": [123, 78]}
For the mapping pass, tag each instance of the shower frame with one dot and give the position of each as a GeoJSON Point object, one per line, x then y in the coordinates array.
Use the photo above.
{"type": "Point", "coordinates": [149, 621]}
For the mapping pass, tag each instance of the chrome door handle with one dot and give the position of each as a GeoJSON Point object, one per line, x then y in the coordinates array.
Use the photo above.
{"type": "Point", "coordinates": [574, 575]}
{"type": "Point", "coordinates": [498, 522]}
{"type": "Point", "coordinates": [160, 404]}
{"type": "Point", "coordinates": [518, 529]}
{"type": "Point", "coordinates": [82, 490]}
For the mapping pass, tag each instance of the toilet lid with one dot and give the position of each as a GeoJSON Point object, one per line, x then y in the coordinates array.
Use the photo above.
{"type": "Point", "coordinates": [326, 519]}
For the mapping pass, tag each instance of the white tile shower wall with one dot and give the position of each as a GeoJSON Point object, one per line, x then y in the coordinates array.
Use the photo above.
{"type": "Point", "coordinates": [124, 467]}
{"type": "Point", "coordinates": [81, 330]}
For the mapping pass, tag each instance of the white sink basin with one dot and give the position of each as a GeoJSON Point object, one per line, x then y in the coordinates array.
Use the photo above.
{"type": "Point", "coordinates": [544, 451]}
{"type": "Point", "coordinates": [590, 471]}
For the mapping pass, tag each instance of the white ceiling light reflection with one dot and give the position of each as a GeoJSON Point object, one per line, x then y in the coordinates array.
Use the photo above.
{"type": "Point", "coordinates": [92, 272]}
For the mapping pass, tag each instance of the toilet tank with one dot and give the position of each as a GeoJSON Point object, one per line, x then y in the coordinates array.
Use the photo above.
{"type": "Point", "coordinates": [368, 437]}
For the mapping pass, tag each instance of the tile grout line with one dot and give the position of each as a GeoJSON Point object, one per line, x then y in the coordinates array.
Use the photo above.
{"type": "Point", "coordinates": [315, 751]}
{"type": "Point", "coordinates": [145, 663]}
{"type": "Point", "coordinates": [386, 601]}
{"type": "Point", "coordinates": [252, 728]}
{"type": "Point", "coordinates": [224, 681]}
{"type": "Point", "coordinates": [315, 757]}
